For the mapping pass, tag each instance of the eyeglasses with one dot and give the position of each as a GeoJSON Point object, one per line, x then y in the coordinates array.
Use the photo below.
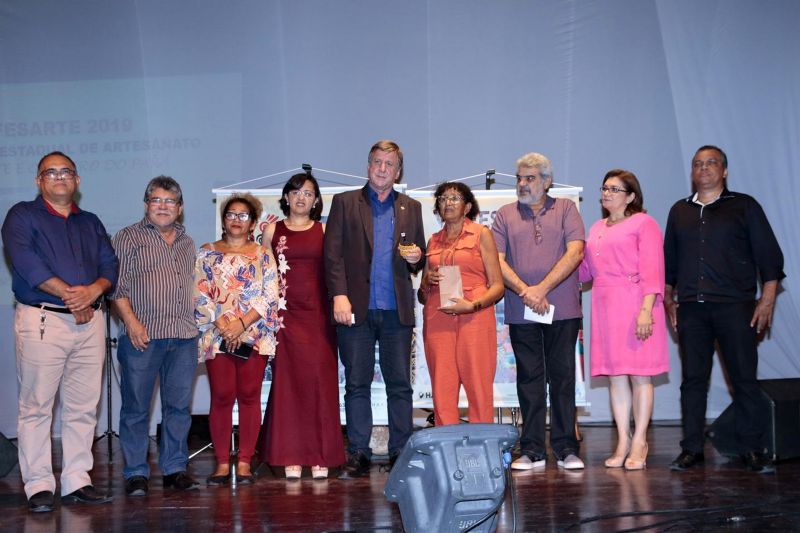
{"type": "Point", "coordinates": [454, 199]}
{"type": "Point", "coordinates": [61, 174]}
{"type": "Point", "coordinates": [230, 215]}
{"type": "Point", "coordinates": [305, 194]}
{"type": "Point", "coordinates": [528, 179]}
{"type": "Point", "coordinates": [701, 164]}
{"type": "Point", "coordinates": [613, 189]}
{"type": "Point", "coordinates": [167, 202]}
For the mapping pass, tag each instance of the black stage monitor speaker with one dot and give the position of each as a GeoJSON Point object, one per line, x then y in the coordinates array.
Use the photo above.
{"type": "Point", "coordinates": [8, 456]}
{"type": "Point", "coordinates": [780, 412]}
{"type": "Point", "coordinates": [450, 478]}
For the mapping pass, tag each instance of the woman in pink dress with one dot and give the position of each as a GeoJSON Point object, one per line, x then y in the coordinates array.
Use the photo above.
{"type": "Point", "coordinates": [625, 260]}
{"type": "Point", "coordinates": [301, 425]}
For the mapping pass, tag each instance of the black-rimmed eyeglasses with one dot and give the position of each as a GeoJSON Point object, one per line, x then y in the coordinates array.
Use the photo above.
{"type": "Point", "coordinates": [613, 189]}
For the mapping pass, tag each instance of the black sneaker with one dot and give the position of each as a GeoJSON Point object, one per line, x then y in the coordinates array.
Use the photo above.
{"type": "Point", "coordinates": [759, 463]}
{"type": "Point", "coordinates": [357, 466]}
{"type": "Point", "coordinates": [180, 481]}
{"type": "Point", "coordinates": [136, 486]}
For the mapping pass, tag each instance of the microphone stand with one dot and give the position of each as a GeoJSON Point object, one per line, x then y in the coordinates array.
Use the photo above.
{"type": "Point", "coordinates": [111, 342]}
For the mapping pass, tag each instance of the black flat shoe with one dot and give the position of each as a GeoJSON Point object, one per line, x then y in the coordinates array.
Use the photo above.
{"type": "Point", "coordinates": [41, 502]}
{"type": "Point", "coordinates": [686, 460]}
{"type": "Point", "coordinates": [180, 481]}
{"type": "Point", "coordinates": [88, 495]}
{"type": "Point", "coordinates": [136, 486]}
{"type": "Point", "coordinates": [218, 480]}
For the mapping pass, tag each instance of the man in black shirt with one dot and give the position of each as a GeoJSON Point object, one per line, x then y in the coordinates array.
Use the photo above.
{"type": "Point", "coordinates": [717, 245]}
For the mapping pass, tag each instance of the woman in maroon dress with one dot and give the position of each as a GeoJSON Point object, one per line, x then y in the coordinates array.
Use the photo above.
{"type": "Point", "coordinates": [301, 425]}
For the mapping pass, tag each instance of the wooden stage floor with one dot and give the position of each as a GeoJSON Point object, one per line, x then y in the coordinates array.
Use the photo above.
{"type": "Point", "coordinates": [721, 496]}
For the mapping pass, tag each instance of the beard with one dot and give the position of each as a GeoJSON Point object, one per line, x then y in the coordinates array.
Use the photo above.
{"type": "Point", "coordinates": [524, 196]}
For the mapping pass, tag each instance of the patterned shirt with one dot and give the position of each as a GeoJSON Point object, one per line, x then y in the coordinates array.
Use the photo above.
{"type": "Point", "coordinates": [231, 284]}
{"type": "Point", "coordinates": [157, 279]}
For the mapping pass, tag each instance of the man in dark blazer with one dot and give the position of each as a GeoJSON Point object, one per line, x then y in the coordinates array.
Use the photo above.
{"type": "Point", "coordinates": [374, 242]}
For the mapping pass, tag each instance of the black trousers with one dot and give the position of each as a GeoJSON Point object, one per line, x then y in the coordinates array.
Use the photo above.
{"type": "Point", "coordinates": [700, 324]}
{"type": "Point", "coordinates": [545, 355]}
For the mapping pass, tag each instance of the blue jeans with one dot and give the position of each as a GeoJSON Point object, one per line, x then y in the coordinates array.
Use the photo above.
{"type": "Point", "coordinates": [174, 362]}
{"type": "Point", "coordinates": [545, 355]}
{"type": "Point", "coordinates": [357, 351]}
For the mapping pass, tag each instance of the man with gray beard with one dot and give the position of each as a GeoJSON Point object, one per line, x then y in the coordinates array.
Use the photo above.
{"type": "Point", "coordinates": [540, 241]}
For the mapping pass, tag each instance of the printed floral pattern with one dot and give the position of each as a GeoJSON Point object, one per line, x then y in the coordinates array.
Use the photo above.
{"type": "Point", "coordinates": [232, 284]}
{"type": "Point", "coordinates": [283, 268]}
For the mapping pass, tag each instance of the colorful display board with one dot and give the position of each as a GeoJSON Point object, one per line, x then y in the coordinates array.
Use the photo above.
{"type": "Point", "coordinates": [505, 392]}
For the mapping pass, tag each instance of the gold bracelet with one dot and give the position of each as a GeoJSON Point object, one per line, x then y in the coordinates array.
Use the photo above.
{"type": "Point", "coordinates": [476, 306]}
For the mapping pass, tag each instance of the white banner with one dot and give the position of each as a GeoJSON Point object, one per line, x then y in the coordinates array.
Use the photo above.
{"type": "Point", "coordinates": [505, 390]}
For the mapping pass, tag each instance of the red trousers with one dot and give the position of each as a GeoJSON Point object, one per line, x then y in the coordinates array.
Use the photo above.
{"type": "Point", "coordinates": [235, 380]}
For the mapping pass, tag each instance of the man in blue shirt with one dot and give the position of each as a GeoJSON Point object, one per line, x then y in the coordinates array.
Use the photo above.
{"type": "Point", "coordinates": [62, 263]}
{"type": "Point", "coordinates": [368, 275]}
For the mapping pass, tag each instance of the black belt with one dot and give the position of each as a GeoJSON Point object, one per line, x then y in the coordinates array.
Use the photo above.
{"type": "Point", "coordinates": [95, 306]}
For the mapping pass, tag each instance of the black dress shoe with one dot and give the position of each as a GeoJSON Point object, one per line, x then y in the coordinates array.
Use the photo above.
{"type": "Point", "coordinates": [218, 480]}
{"type": "Point", "coordinates": [41, 502]}
{"type": "Point", "coordinates": [686, 460]}
{"type": "Point", "coordinates": [88, 495]}
{"type": "Point", "coordinates": [180, 481]}
{"type": "Point", "coordinates": [758, 462]}
{"type": "Point", "coordinates": [357, 466]}
{"type": "Point", "coordinates": [392, 460]}
{"type": "Point", "coordinates": [136, 486]}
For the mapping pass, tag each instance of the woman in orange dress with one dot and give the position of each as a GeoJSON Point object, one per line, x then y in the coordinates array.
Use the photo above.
{"type": "Point", "coordinates": [461, 336]}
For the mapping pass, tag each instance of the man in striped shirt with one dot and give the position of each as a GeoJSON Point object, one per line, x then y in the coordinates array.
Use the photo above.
{"type": "Point", "coordinates": [153, 297]}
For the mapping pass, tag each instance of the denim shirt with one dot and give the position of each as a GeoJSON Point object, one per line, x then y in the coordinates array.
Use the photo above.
{"type": "Point", "coordinates": [381, 279]}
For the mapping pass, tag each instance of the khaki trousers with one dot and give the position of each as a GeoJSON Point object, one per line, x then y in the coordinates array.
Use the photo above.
{"type": "Point", "coordinates": [69, 357]}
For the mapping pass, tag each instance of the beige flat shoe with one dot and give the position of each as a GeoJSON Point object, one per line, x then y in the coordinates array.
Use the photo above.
{"type": "Point", "coordinates": [294, 471]}
{"type": "Point", "coordinates": [319, 472]}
